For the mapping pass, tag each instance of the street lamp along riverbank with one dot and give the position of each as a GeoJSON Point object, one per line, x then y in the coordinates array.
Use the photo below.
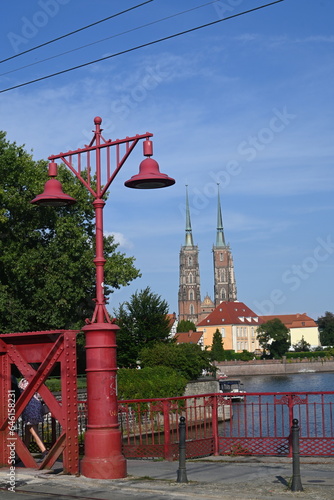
{"type": "Point", "coordinates": [103, 443]}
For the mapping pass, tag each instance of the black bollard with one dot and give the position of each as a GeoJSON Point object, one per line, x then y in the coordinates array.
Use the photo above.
{"type": "Point", "coordinates": [296, 484]}
{"type": "Point", "coordinates": [182, 473]}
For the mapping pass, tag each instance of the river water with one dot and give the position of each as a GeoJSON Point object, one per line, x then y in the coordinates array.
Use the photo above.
{"type": "Point", "coordinates": [298, 382]}
{"type": "Point", "coordinates": [261, 415]}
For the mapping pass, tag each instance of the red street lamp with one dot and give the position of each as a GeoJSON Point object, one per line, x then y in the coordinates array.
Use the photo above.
{"type": "Point", "coordinates": [103, 443]}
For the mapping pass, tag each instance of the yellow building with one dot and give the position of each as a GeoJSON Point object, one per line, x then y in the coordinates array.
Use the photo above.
{"type": "Point", "coordinates": [236, 323]}
{"type": "Point", "coordinates": [300, 325]}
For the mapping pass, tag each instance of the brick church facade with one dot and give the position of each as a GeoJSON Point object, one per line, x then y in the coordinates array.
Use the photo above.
{"type": "Point", "coordinates": [191, 307]}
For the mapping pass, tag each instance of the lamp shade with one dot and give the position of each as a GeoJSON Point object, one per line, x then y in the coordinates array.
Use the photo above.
{"type": "Point", "coordinates": [53, 195]}
{"type": "Point", "coordinates": [149, 177]}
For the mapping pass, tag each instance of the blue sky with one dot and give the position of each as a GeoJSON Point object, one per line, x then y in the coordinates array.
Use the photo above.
{"type": "Point", "coordinates": [247, 102]}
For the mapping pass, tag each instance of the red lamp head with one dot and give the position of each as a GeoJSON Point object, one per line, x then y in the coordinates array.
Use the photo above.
{"type": "Point", "coordinates": [149, 177]}
{"type": "Point", "coordinates": [53, 194]}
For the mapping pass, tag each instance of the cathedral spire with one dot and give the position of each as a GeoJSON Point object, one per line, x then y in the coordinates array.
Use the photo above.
{"type": "Point", "coordinates": [224, 285]}
{"type": "Point", "coordinates": [189, 299]}
{"type": "Point", "coordinates": [220, 239]}
{"type": "Point", "coordinates": [189, 235]}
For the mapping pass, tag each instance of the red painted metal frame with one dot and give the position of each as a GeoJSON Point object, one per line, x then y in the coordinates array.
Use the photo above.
{"type": "Point", "coordinates": [46, 349]}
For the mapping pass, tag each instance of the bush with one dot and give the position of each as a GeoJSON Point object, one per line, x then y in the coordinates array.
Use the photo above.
{"type": "Point", "coordinates": [244, 355]}
{"type": "Point", "coordinates": [230, 355]}
{"type": "Point", "coordinates": [308, 354]}
{"type": "Point", "coordinates": [53, 384]}
{"type": "Point", "coordinates": [150, 382]}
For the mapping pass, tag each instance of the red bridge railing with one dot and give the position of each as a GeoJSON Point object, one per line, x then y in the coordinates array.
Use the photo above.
{"type": "Point", "coordinates": [216, 424]}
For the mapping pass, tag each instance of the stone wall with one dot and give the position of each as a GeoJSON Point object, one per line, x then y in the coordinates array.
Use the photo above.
{"type": "Point", "coordinates": [205, 386]}
{"type": "Point", "coordinates": [201, 387]}
{"type": "Point", "coordinates": [274, 367]}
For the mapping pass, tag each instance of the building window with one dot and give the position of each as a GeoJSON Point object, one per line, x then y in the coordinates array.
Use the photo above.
{"type": "Point", "coordinates": [190, 278]}
{"type": "Point", "coordinates": [190, 261]}
{"type": "Point", "coordinates": [191, 295]}
{"type": "Point", "coordinates": [221, 257]}
{"type": "Point", "coordinates": [191, 309]}
{"type": "Point", "coordinates": [222, 331]}
{"type": "Point", "coordinates": [223, 294]}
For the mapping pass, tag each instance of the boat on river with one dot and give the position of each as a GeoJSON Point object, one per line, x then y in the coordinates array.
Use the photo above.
{"type": "Point", "coordinates": [232, 388]}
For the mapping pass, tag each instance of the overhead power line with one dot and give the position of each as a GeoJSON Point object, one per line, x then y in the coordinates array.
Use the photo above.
{"type": "Point", "coordinates": [109, 37]}
{"type": "Point", "coordinates": [75, 31]}
{"type": "Point", "coordinates": [137, 47]}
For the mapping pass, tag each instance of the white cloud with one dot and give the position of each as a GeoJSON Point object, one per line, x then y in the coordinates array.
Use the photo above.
{"type": "Point", "coordinates": [121, 239]}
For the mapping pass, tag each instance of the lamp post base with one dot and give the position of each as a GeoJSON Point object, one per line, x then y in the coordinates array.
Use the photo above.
{"type": "Point", "coordinates": [108, 463]}
{"type": "Point", "coordinates": [103, 439]}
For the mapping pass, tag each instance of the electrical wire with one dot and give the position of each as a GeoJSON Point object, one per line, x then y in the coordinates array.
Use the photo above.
{"type": "Point", "coordinates": [75, 31]}
{"type": "Point", "coordinates": [126, 51]}
{"type": "Point", "coordinates": [108, 38]}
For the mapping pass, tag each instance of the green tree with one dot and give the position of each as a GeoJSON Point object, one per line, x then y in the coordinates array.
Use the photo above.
{"type": "Point", "coordinates": [189, 360]}
{"type": "Point", "coordinates": [273, 336]}
{"type": "Point", "coordinates": [143, 321]}
{"type": "Point", "coordinates": [185, 326]}
{"type": "Point", "coordinates": [47, 275]}
{"type": "Point", "coordinates": [326, 329]}
{"type": "Point", "coordinates": [217, 352]}
{"type": "Point", "coordinates": [302, 345]}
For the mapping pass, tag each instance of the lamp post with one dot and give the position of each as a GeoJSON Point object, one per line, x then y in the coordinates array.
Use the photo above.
{"type": "Point", "coordinates": [103, 444]}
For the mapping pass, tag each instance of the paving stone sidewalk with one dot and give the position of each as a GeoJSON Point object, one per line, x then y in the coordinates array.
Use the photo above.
{"type": "Point", "coordinates": [223, 478]}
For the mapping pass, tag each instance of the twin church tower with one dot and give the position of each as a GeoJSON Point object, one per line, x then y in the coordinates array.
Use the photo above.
{"type": "Point", "coordinates": [189, 300]}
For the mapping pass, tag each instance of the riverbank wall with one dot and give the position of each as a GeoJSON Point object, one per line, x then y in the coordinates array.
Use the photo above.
{"type": "Point", "coordinates": [283, 366]}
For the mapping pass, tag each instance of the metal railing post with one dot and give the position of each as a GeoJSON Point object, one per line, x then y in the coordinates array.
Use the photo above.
{"type": "Point", "coordinates": [296, 484]}
{"type": "Point", "coordinates": [167, 446]}
{"type": "Point", "coordinates": [182, 473]}
{"type": "Point", "coordinates": [215, 432]}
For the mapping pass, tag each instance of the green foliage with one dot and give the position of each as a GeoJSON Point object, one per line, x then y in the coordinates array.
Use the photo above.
{"type": "Point", "coordinates": [217, 348]}
{"type": "Point", "coordinates": [185, 326]}
{"type": "Point", "coordinates": [189, 360]}
{"type": "Point", "coordinates": [301, 346]}
{"type": "Point", "coordinates": [273, 336]}
{"type": "Point", "coordinates": [244, 355]}
{"type": "Point", "coordinates": [309, 354]}
{"type": "Point", "coordinates": [326, 329]}
{"type": "Point", "coordinates": [150, 382]}
{"type": "Point", "coordinates": [54, 384]}
{"type": "Point", "coordinates": [47, 275]}
{"type": "Point", "coordinates": [143, 321]}
{"type": "Point", "coordinates": [229, 354]}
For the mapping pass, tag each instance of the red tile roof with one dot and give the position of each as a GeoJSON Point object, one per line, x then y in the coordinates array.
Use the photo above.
{"type": "Point", "coordinates": [188, 337]}
{"type": "Point", "coordinates": [293, 320]}
{"type": "Point", "coordinates": [231, 313]}
{"type": "Point", "coordinates": [171, 318]}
